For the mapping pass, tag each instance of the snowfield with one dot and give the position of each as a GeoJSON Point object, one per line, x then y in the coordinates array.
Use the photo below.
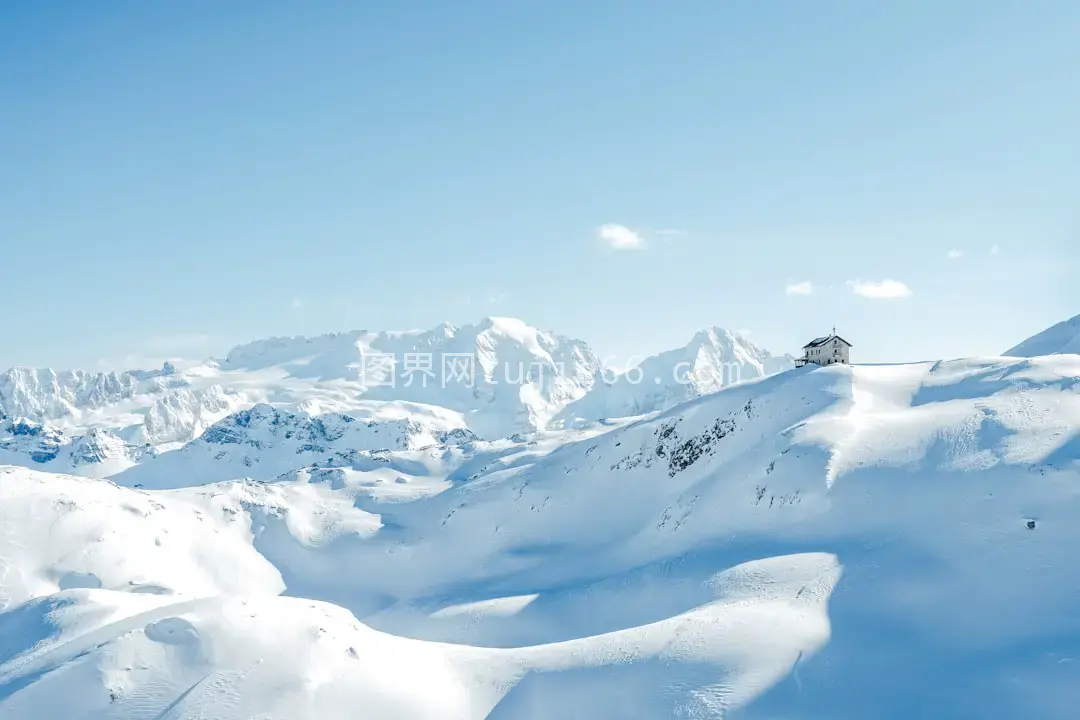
{"type": "Point", "coordinates": [101, 654]}
{"type": "Point", "coordinates": [60, 532]}
{"type": "Point", "coordinates": [850, 542]}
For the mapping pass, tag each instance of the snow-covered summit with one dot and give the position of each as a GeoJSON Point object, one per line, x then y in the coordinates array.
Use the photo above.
{"type": "Point", "coordinates": [502, 375]}
{"type": "Point", "coordinates": [714, 358]}
{"type": "Point", "coordinates": [41, 394]}
{"type": "Point", "coordinates": [506, 375]}
{"type": "Point", "coordinates": [97, 452]}
{"type": "Point", "coordinates": [143, 406]}
{"type": "Point", "coordinates": [39, 442]}
{"type": "Point", "coordinates": [1064, 337]}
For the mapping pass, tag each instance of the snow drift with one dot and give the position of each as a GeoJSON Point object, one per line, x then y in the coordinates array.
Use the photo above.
{"type": "Point", "coordinates": [99, 655]}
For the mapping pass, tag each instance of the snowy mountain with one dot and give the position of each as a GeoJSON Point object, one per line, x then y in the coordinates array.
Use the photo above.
{"type": "Point", "coordinates": [266, 441]}
{"type": "Point", "coordinates": [145, 407]}
{"type": "Point", "coordinates": [181, 414]}
{"type": "Point", "coordinates": [714, 358]}
{"type": "Point", "coordinates": [49, 394]}
{"type": "Point", "coordinates": [846, 542]}
{"type": "Point", "coordinates": [1061, 338]}
{"type": "Point", "coordinates": [504, 374]}
{"type": "Point", "coordinates": [501, 375]}
{"type": "Point", "coordinates": [97, 453]}
{"type": "Point", "coordinates": [39, 442]}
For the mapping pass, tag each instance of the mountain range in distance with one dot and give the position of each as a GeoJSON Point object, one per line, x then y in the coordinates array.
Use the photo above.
{"type": "Point", "coordinates": [509, 377]}
{"type": "Point", "coordinates": [493, 379]}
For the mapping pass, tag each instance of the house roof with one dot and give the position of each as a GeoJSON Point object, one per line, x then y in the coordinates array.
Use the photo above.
{"type": "Point", "coordinates": [819, 341]}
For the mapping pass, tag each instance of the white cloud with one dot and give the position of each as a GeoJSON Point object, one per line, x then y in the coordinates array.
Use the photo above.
{"type": "Point", "coordinates": [671, 232]}
{"type": "Point", "coordinates": [955, 254]}
{"type": "Point", "coordinates": [883, 290]}
{"type": "Point", "coordinates": [620, 237]}
{"type": "Point", "coordinates": [994, 250]}
{"type": "Point", "coordinates": [297, 303]}
{"type": "Point", "coordinates": [800, 288]}
{"type": "Point", "coordinates": [496, 298]}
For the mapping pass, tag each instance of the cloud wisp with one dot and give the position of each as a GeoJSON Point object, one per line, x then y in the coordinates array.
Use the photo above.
{"type": "Point", "coordinates": [879, 289]}
{"type": "Point", "coordinates": [799, 288]}
{"type": "Point", "coordinates": [620, 237]}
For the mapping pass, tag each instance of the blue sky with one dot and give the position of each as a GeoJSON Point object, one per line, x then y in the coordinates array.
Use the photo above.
{"type": "Point", "coordinates": [176, 178]}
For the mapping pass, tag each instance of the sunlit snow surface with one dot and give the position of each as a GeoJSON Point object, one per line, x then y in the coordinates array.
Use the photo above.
{"type": "Point", "coordinates": [1064, 337]}
{"type": "Point", "coordinates": [847, 542]}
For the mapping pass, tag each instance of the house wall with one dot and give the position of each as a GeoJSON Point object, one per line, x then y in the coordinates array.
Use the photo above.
{"type": "Point", "coordinates": [830, 353]}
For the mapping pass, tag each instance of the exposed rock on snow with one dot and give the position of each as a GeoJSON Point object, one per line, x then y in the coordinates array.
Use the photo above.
{"type": "Point", "coordinates": [97, 453]}
{"type": "Point", "coordinates": [40, 443]}
{"type": "Point", "coordinates": [266, 441]}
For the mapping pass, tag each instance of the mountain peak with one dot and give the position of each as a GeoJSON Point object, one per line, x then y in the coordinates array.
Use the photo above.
{"type": "Point", "coordinates": [515, 329]}
{"type": "Point", "coordinates": [519, 379]}
{"type": "Point", "coordinates": [712, 359]}
{"type": "Point", "coordinates": [716, 336]}
{"type": "Point", "coordinates": [1064, 337]}
{"type": "Point", "coordinates": [445, 329]}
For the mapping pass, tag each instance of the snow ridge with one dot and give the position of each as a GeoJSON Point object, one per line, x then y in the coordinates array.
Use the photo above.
{"type": "Point", "coordinates": [41, 394]}
{"type": "Point", "coordinates": [500, 375]}
{"type": "Point", "coordinates": [1064, 337]}
{"type": "Point", "coordinates": [714, 358]}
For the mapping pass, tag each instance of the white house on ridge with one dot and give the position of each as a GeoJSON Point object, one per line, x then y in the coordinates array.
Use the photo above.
{"type": "Point", "coordinates": [826, 350]}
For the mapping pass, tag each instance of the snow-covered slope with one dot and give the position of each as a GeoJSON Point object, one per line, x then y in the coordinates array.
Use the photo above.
{"type": "Point", "coordinates": [714, 358]}
{"type": "Point", "coordinates": [100, 654]}
{"type": "Point", "coordinates": [59, 532]}
{"type": "Point", "coordinates": [673, 566]}
{"type": "Point", "coordinates": [266, 441]}
{"type": "Point", "coordinates": [172, 614]}
{"type": "Point", "coordinates": [1061, 338]}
